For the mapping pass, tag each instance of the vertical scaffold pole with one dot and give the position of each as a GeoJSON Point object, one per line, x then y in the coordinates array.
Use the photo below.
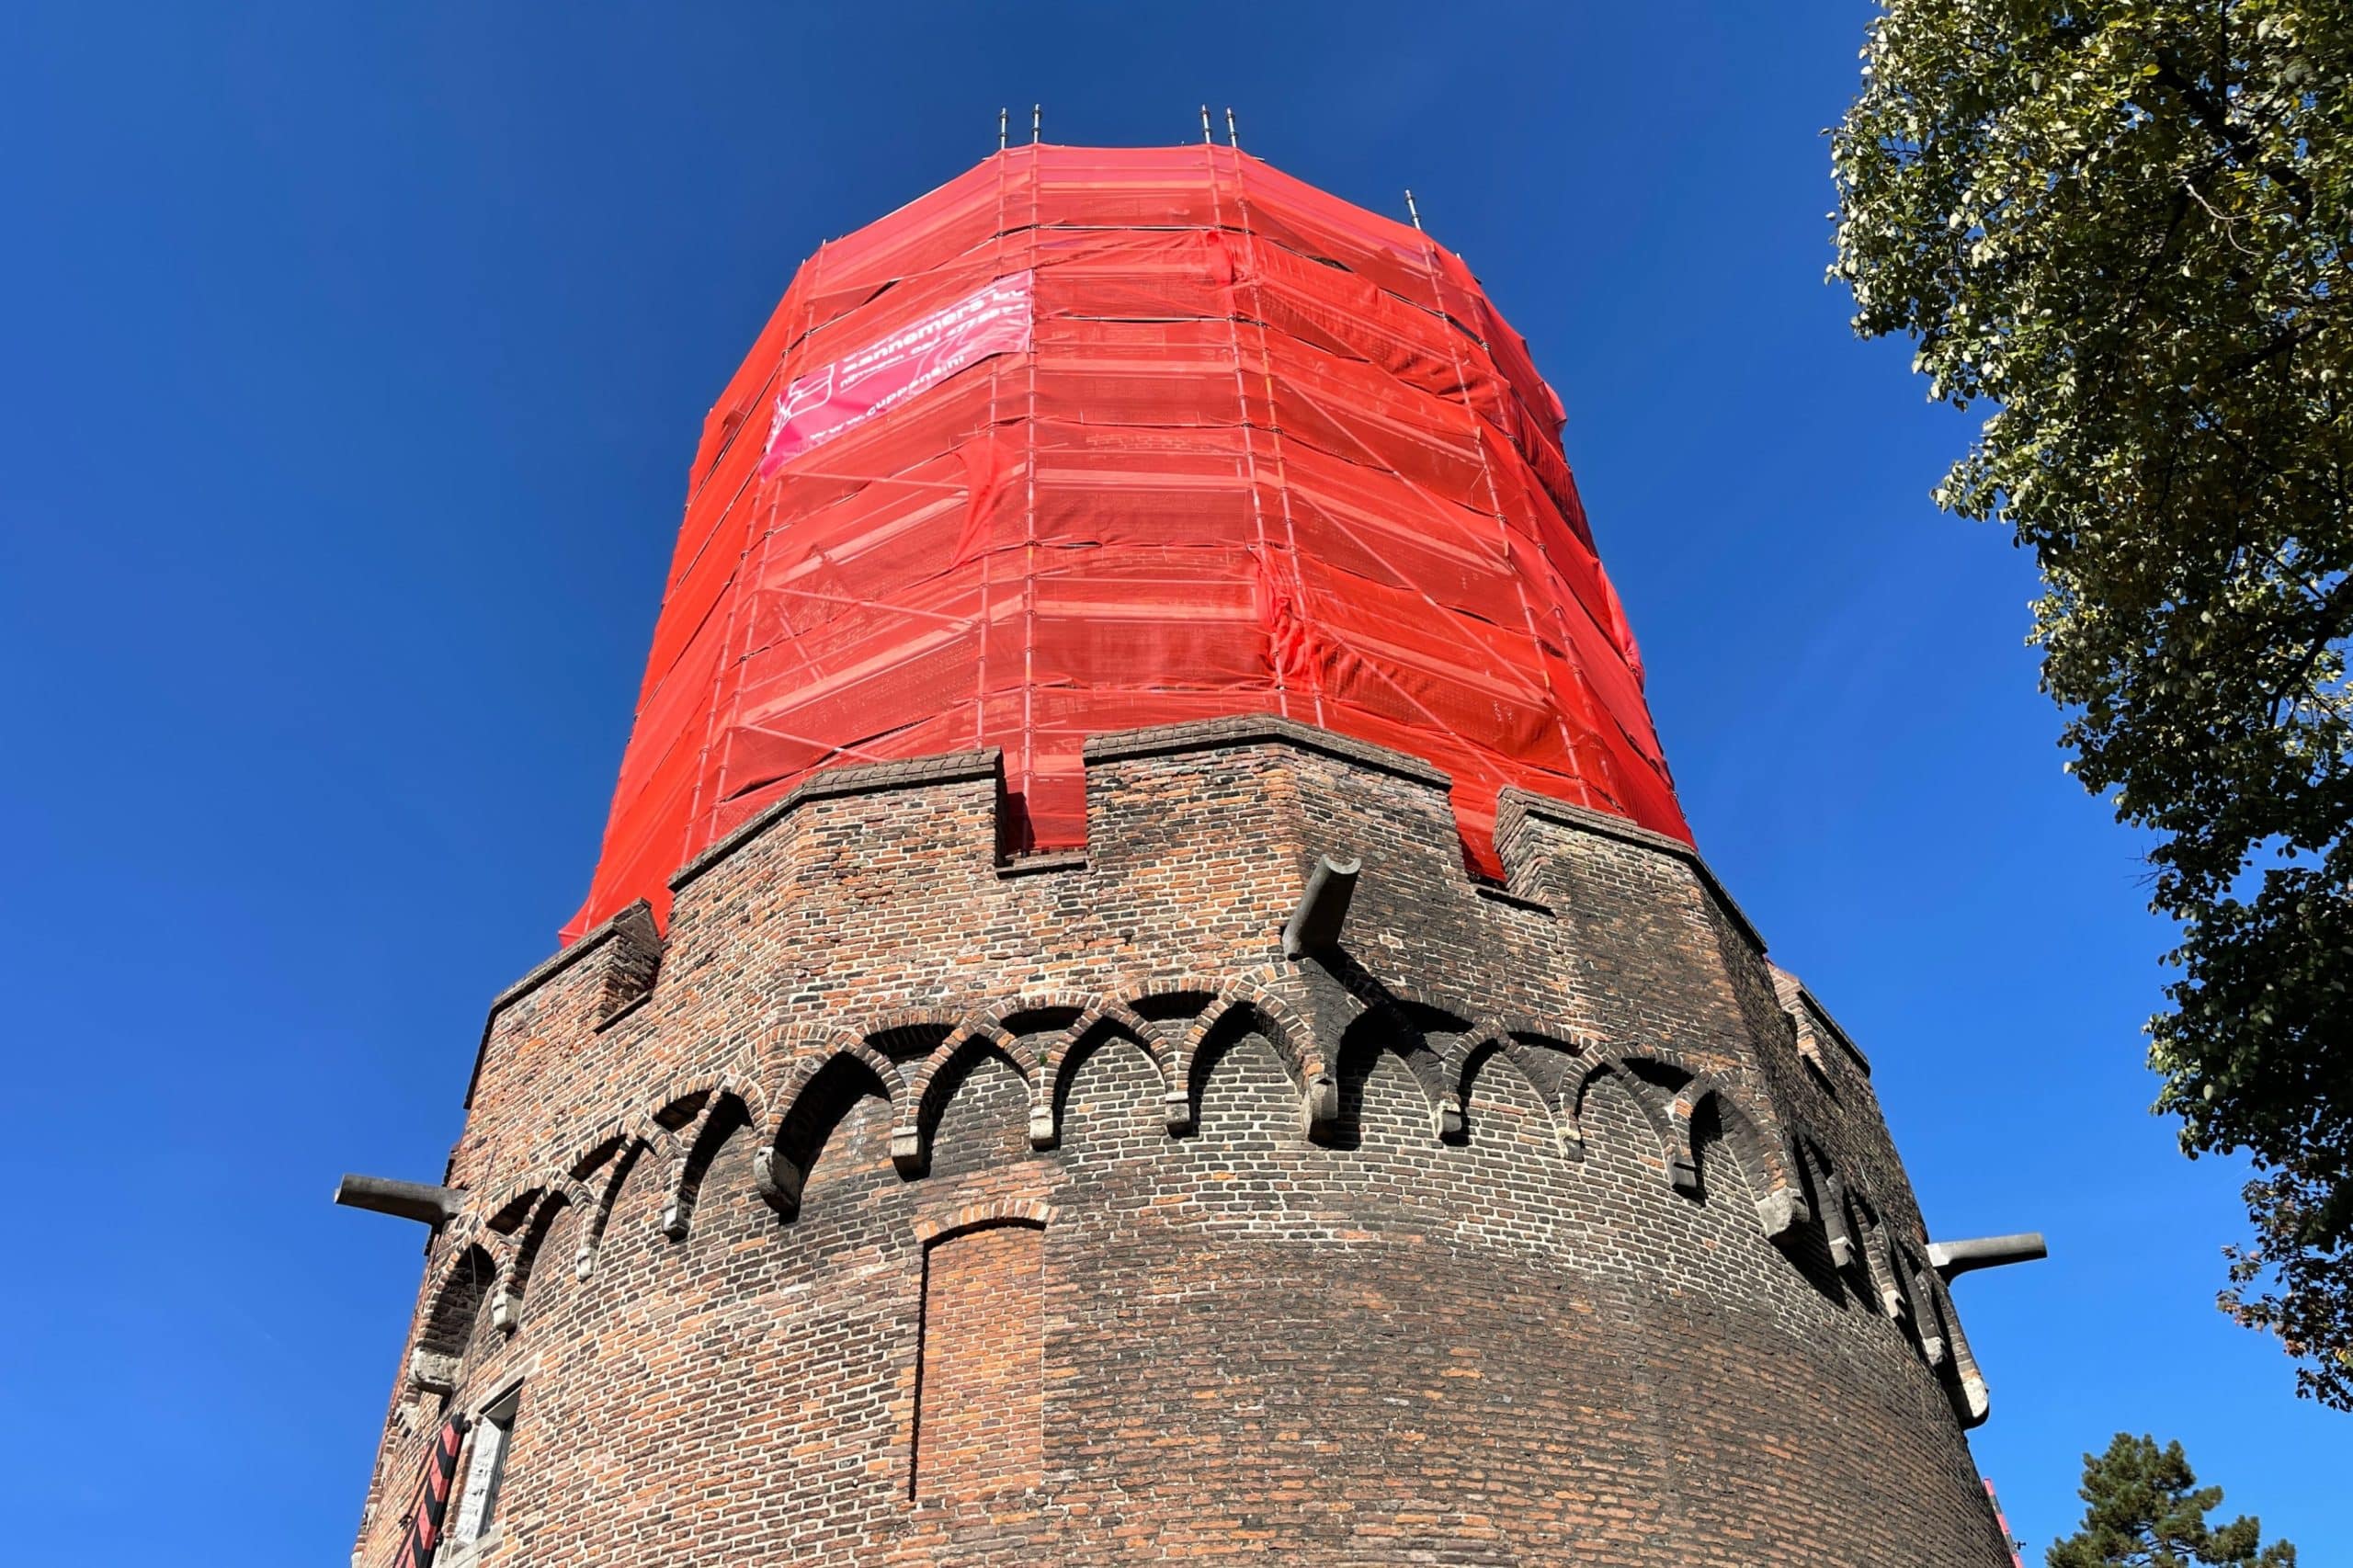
{"type": "Point", "coordinates": [1231, 139]}
{"type": "Point", "coordinates": [1206, 138]}
{"type": "Point", "coordinates": [1000, 131]}
{"type": "Point", "coordinates": [1037, 121]}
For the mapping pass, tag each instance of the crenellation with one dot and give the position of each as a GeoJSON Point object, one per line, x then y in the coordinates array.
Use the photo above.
{"type": "Point", "coordinates": [1545, 1120]}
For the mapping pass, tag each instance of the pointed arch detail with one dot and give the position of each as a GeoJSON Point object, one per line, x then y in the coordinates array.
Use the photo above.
{"type": "Point", "coordinates": [781, 1165]}
{"type": "Point", "coordinates": [790, 1085]}
{"type": "Point", "coordinates": [970, 1039]}
{"type": "Point", "coordinates": [1781, 1198]}
{"type": "Point", "coordinates": [1250, 1002]}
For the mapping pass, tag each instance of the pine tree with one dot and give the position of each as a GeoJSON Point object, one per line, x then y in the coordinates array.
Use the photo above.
{"type": "Point", "coordinates": [2146, 1510]}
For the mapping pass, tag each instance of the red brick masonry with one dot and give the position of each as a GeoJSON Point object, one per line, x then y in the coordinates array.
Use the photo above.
{"type": "Point", "coordinates": [980, 1400]}
{"type": "Point", "coordinates": [910, 1207]}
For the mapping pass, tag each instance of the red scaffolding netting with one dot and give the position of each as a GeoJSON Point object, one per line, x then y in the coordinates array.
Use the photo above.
{"type": "Point", "coordinates": [1093, 439]}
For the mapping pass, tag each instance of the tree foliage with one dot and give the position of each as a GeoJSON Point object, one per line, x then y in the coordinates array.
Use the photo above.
{"type": "Point", "coordinates": [2121, 226]}
{"type": "Point", "coordinates": [2145, 1509]}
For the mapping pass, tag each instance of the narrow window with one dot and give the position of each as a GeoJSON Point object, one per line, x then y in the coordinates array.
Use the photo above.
{"type": "Point", "coordinates": [979, 1407]}
{"type": "Point", "coordinates": [478, 1501]}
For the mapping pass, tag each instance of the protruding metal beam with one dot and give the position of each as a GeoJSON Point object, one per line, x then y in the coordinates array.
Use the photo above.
{"type": "Point", "coordinates": [1948, 1258]}
{"type": "Point", "coordinates": [1323, 907]}
{"type": "Point", "coordinates": [403, 1200]}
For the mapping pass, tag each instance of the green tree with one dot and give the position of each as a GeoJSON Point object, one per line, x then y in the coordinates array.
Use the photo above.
{"type": "Point", "coordinates": [2121, 226]}
{"type": "Point", "coordinates": [2146, 1510]}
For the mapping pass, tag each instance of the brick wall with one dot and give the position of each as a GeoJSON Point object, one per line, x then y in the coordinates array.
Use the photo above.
{"type": "Point", "coordinates": [910, 1207]}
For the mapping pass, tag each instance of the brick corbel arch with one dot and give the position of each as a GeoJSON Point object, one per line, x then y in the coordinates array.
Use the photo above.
{"type": "Point", "coordinates": [1781, 1198]}
{"type": "Point", "coordinates": [1672, 1152]}
{"type": "Point", "coordinates": [781, 1165]}
{"type": "Point", "coordinates": [919, 1115]}
{"type": "Point", "coordinates": [1100, 1022]}
{"type": "Point", "coordinates": [1248, 999]}
{"type": "Point", "coordinates": [1517, 1040]}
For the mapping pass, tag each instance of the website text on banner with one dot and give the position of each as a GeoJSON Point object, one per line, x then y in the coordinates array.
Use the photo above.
{"type": "Point", "coordinates": [846, 394]}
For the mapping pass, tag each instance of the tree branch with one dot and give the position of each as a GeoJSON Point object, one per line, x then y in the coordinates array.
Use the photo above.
{"type": "Point", "coordinates": [2214, 114]}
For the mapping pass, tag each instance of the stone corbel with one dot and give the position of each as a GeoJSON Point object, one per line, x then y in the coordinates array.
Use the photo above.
{"type": "Point", "coordinates": [432, 1373]}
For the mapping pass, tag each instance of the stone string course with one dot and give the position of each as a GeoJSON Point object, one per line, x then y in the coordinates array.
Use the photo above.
{"type": "Point", "coordinates": [1546, 1222]}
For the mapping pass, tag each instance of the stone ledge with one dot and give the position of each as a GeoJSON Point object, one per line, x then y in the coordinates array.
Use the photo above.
{"type": "Point", "coordinates": [868, 778]}
{"type": "Point", "coordinates": [1511, 900]}
{"type": "Point", "coordinates": [1260, 729]}
{"type": "Point", "coordinates": [1043, 863]}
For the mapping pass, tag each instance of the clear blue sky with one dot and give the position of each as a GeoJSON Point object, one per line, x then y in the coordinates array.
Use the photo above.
{"type": "Point", "coordinates": [351, 362]}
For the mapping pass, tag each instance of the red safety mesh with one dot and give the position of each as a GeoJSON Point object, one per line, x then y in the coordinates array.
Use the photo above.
{"type": "Point", "coordinates": [1266, 453]}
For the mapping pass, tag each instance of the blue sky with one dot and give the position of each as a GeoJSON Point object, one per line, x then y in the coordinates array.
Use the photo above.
{"type": "Point", "coordinates": [354, 359]}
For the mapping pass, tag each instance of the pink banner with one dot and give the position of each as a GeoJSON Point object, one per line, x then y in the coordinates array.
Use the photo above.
{"type": "Point", "coordinates": [844, 394]}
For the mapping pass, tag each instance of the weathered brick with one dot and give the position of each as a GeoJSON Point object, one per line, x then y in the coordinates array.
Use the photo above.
{"type": "Point", "coordinates": [903, 1205]}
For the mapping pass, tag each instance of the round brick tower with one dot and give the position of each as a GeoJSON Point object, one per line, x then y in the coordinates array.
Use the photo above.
{"type": "Point", "coordinates": [1147, 995]}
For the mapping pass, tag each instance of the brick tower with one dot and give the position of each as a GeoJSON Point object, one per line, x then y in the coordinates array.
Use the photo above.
{"type": "Point", "coordinates": [1147, 995]}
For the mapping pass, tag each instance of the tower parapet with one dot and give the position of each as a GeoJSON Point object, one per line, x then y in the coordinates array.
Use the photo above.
{"type": "Point", "coordinates": [1523, 1217]}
